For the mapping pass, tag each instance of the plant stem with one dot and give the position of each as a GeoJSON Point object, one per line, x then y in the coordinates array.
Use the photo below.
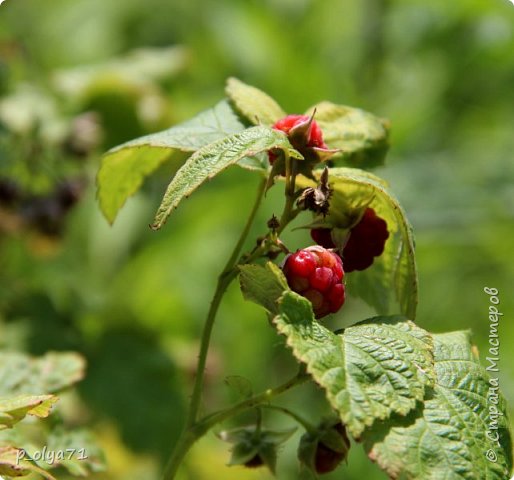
{"type": "Point", "coordinates": [196, 431]}
{"type": "Point", "coordinates": [187, 437]}
{"type": "Point", "coordinates": [208, 422]}
{"type": "Point", "coordinates": [297, 418]}
{"type": "Point", "coordinates": [287, 215]}
{"type": "Point", "coordinates": [224, 280]}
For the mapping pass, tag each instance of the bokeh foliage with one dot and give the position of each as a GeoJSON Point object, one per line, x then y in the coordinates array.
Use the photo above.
{"type": "Point", "coordinates": [133, 301]}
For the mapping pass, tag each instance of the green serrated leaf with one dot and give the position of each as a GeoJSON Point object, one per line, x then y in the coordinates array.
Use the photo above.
{"type": "Point", "coordinates": [262, 284]}
{"type": "Point", "coordinates": [125, 167]}
{"type": "Point", "coordinates": [449, 436]}
{"type": "Point", "coordinates": [15, 409]}
{"type": "Point", "coordinates": [376, 368]}
{"type": "Point", "coordinates": [253, 104]}
{"type": "Point", "coordinates": [363, 138]}
{"type": "Point", "coordinates": [212, 159]}
{"type": "Point", "coordinates": [390, 285]}
{"type": "Point", "coordinates": [50, 373]}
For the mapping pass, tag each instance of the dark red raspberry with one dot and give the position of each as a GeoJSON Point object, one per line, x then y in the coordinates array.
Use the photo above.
{"type": "Point", "coordinates": [367, 240]}
{"type": "Point", "coordinates": [255, 462]}
{"type": "Point", "coordinates": [317, 274]}
{"type": "Point", "coordinates": [326, 459]}
{"type": "Point", "coordinates": [323, 237]}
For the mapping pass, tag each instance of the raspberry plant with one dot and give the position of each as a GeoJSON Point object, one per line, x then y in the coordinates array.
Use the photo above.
{"type": "Point", "coordinates": [417, 402]}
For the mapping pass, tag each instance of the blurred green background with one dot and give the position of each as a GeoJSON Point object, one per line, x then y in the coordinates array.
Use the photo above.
{"type": "Point", "coordinates": [133, 301]}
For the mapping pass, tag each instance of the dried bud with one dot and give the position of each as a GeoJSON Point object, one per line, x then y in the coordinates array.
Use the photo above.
{"type": "Point", "coordinates": [273, 223]}
{"type": "Point", "coordinates": [255, 447]}
{"type": "Point", "coordinates": [317, 199]}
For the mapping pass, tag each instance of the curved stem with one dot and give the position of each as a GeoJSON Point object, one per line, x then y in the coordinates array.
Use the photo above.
{"type": "Point", "coordinates": [260, 399]}
{"type": "Point", "coordinates": [287, 214]}
{"type": "Point", "coordinates": [297, 418]}
{"type": "Point", "coordinates": [224, 280]}
{"type": "Point", "coordinates": [195, 432]}
{"type": "Point", "coordinates": [194, 429]}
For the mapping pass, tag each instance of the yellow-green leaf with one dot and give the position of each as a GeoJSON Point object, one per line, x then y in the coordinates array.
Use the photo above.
{"type": "Point", "coordinates": [212, 159]}
{"type": "Point", "coordinates": [253, 104]}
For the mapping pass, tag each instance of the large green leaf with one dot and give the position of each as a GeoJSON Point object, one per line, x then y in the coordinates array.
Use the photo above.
{"type": "Point", "coordinates": [15, 409]}
{"type": "Point", "coordinates": [262, 285]}
{"type": "Point", "coordinates": [363, 138]}
{"type": "Point", "coordinates": [451, 436]}
{"type": "Point", "coordinates": [390, 285]}
{"type": "Point", "coordinates": [125, 167]}
{"type": "Point", "coordinates": [253, 104]}
{"type": "Point", "coordinates": [212, 159]}
{"type": "Point", "coordinates": [376, 368]}
{"type": "Point", "coordinates": [22, 374]}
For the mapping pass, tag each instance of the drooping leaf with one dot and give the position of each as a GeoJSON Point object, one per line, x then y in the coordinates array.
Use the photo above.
{"type": "Point", "coordinates": [262, 284]}
{"type": "Point", "coordinates": [390, 285]}
{"type": "Point", "coordinates": [125, 167]}
{"type": "Point", "coordinates": [461, 430]}
{"type": "Point", "coordinates": [363, 138]}
{"type": "Point", "coordinates": [15, 409]}
{"type": "Point", "coordinates": [374, 369]}
{"type": "Point", "coordinates": [13, 464]}
{"type": "Point", "coordinates": [253, 104]}
{"type": "Point", "coordinates": [50, 373]}
{"type": "Point", "coordinates": [10, 464]}
{"type": "Point", "coordinates": [212, 159]}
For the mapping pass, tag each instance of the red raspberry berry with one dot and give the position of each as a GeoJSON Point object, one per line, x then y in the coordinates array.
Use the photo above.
{"type": "Point", "coordinates": [317, 274]}
{"type": "Point", "coordinates": [327, 459]}
{"type": "Point", "coordinates": [309, 139]}
{"type": "Point", "coordinates": [367, 240]}
{"type": "Point", "coordinates": [315, 136]}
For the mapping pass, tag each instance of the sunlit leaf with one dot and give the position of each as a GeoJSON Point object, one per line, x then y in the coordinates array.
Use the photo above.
{"type": "Point", "coordinates": [253, 104]}
{"type": "Point", "coordinates": [461, 431]}
{"type": "Point", "coordinates": [212, 159]}
{"type": "Point", "coordinates": [15, 409]}
{"type": "Point", "coordinates": [262, 284]}
{"type": "Point", "coordinates": [363, 138]}
{"type": "Point", "coordinates": [374, 369]}
{"type": "Point", "coordinates": [125, 167]}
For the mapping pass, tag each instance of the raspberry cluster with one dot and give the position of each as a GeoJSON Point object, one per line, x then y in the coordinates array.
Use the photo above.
{"type": "Point", "coordinates": [365, 242]}
{"type": "Point", "coordinates": [317, 274]}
